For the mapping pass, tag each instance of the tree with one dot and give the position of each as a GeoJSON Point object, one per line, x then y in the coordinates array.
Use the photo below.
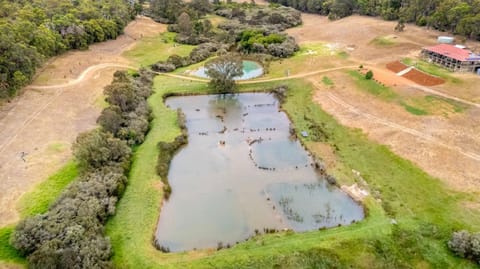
{"type": "Point", "coordinates": [96, 149]}
{"type": "Point", "coordinates": [222, 72]}
{"type": "Point", "coordinates": [400, 26]}
{"type": "Point", "coordinates": [185, 24]}
{"type": "Point", "coordinates": [201, 6]}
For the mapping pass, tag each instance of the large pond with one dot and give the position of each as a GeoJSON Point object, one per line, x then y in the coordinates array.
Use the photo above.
{"type": "Point", "coordinates": [242, 172]}
{"type": "Point", "coordinates": [250, 70]}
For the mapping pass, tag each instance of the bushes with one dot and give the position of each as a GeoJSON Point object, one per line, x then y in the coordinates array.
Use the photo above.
{"type": "Point", "coordinates": [466, 245]}
{"type": "Point", "coordinates": [198, 54]}
{"type": "Point", "coordinates": [127, 117]}
{"type": "Point", "coordinates": [71, 233]}
{"type": "Point", "coordinates": [277, 16]}
{"type": "Point", "coordinates": [286, 49]}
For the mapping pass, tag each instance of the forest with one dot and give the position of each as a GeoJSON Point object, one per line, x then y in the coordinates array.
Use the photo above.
{"type": "Point", "coordinates": [457, 16]}
{"type": "Point", "coordinates": [33, 31]}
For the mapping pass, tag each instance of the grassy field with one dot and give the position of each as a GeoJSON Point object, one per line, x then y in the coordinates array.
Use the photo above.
{"type": "Point", "coordinates": [422, 105]}
{"type": "Point", "coordinates": [153, 49]}
{"type": "Point", "coordinates": [425, 211]}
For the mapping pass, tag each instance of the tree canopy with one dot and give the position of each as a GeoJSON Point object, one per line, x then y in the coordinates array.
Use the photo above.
{"type": "Point", "coordinates": [222, 70]}
{"type": "Point", "coordinates": [31, 31]}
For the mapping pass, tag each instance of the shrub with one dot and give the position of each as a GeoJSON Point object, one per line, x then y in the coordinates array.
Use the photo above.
{"type": "Point", "coordinates": [111, 119]}
{"type": "Point", "coordinates": [163, 67]}
{"type": "Point", "coordinates": [460, 243]}
{"type": "Point", "coordinates": [203, 52]}
{"type": "Point", "coordinates": [369, 75]}
{"type": "Point", "coordinates": [465, 245]}
{"type": "Point", "coordinates": [177, 61]}
{"type": "Point", "coordinates": [285, 49]}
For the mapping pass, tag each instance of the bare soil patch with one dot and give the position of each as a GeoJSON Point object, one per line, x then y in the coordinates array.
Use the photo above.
{"type": "Point", "coordinates": [38, 127]}
{"type": "Point", "coordinates": [396, 66]}
{"type": "Point", "coordinates": [422, 78]}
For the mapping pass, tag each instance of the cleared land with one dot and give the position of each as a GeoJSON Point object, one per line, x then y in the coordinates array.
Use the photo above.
{"type": "Point", "coordinates": [38, 127]}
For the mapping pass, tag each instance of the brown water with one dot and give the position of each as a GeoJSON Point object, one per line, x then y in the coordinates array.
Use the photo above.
{"type": "Point", "coordinates": [258, 178]}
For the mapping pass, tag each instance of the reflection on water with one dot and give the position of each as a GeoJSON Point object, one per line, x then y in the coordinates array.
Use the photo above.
{"type": "Point", "coordinates": [241, 172]}
{"type": "Point", "coordinates": [250, 70]}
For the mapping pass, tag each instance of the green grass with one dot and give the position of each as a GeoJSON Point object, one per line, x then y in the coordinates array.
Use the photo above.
{"type": "Point", "coordinates": [327, 81]}
{"type": "Point", "coordinates": [310, 57]}
{"type": "Point", "coordinates": [38, 200]}
{"type": "Point", "coordinates": [425, 210]}
{"type": "Point", "coordinates": [343, 55]}
{"type": "Point", "coordinates": [383, 41]}
{"type": "Point", "coordinates": [372, 87]}
{"type": "Point", "coordinates": [150, 50]}
{"type": "Point", "coordinates": [432, 69]}
{"type": "Point", "coordinates": [8, 254]}
{"type": "Point", "coordinates": [419, 106]}
{"type": "Point", "coordinates": [414, 110]}
{"type": "Point", "coordinates": [455, 105]}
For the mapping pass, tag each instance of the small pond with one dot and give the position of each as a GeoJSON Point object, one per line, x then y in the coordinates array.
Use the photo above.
{"type": "Point", "coordinates": [242, 172]}
{"type": "Point", "coordinates": [250, 70]}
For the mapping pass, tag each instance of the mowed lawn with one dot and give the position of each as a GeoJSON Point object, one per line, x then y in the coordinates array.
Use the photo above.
{"type": "Point", "coordinates": [410, 215]}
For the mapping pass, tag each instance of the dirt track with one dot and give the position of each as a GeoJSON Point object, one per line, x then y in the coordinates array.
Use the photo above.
{"type": "Point", "coordinates": [64, 100]}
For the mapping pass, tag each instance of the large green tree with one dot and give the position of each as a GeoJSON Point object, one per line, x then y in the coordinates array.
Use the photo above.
{"type": "Point", "coordinates": [222, 71]}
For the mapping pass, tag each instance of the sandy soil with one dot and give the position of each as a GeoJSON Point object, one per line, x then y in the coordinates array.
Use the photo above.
{"type": "Point", "coordinates": [42, 123]}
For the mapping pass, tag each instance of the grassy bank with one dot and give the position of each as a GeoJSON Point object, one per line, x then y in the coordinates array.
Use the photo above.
{"type": "Point", "coordinates": [425, 212]}
{"type": "Point", "coordinates": [39, 199]}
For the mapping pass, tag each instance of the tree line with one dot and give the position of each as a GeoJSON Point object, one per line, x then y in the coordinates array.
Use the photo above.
{"type": "Point", "coordinates": [32, 31]}
{"type": "Point", "coordinates": [457, 16]}
{"type": "Point", "coordinates": [71, 233]}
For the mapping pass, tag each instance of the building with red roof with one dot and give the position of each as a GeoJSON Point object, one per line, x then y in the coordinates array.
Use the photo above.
{"type": "Point", "coordinates": [455, 58]}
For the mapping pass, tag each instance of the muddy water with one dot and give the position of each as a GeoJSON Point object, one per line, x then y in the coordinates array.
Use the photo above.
{"type": "Point", "coordinates": [241, 172]}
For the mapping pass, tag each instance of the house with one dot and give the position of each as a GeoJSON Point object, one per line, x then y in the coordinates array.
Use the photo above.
{"type": "Point", "coordinates": [454, 58]}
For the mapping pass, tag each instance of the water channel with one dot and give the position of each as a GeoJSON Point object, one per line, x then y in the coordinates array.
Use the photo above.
{"type": "Point", "coordinates": [242, 172]}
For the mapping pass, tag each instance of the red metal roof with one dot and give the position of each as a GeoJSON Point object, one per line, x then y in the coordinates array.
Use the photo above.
{"type": "Point", "coordinates": [450, 51]}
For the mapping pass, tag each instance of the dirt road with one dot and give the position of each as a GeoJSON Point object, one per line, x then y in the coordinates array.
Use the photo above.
{"type": "Point", "coordinates": [38, 127]}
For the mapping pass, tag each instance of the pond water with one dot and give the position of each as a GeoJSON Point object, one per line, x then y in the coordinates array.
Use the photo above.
{"type": "Point", "coordinates": [241, 172]}
{"type": "Point", "coordinates": [250, 70]}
